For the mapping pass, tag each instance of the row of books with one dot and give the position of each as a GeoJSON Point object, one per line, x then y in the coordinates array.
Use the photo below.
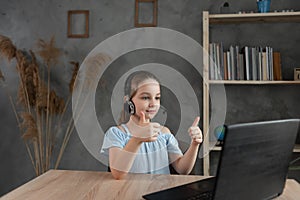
{"type": "Point", "coordinates": [246, 63]}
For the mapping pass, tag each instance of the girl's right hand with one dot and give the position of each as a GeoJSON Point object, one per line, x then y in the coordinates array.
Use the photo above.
{"type": "Point", "coordinates": [145, 131]}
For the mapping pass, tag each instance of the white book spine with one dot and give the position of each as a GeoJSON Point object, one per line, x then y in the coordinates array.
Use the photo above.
{"type": "Point", "coordinates": [228, 65]}
{"type": "Point", "coordinates": [211, 62]}
{"type": "Point", "coordinates": [247, 63]}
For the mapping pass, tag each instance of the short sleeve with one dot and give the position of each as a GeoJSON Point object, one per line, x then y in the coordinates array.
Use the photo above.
{"type": "Point", "coordinates": [114, 137]}
{"type": "Point", "coordinates": [172, 145]}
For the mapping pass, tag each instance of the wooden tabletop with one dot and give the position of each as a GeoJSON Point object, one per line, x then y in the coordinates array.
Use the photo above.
{"type": "Point", "coordinates": [66, 184]}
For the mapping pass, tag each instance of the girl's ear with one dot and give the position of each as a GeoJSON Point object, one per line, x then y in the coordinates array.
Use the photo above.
{"type": "Point", "coordinates": [126, 99]}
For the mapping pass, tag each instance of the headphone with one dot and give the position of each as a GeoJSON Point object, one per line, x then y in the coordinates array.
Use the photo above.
{"type": "Point", "coordinates": [129, 106]}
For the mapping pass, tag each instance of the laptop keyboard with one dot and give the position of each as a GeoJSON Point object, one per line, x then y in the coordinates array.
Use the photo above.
{"type": "Point", "coordinates": [202, 196]}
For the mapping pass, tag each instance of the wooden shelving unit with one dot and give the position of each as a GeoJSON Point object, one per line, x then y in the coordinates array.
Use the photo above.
{"type": "Point", "coordinates": [216, 19]}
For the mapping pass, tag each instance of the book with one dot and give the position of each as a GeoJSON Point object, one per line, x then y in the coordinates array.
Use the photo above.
{"type": "Point", "coordinates": [242, 66]}
{"type": "Point", "coordinates": [211, 62]}
{"type": "Point", "coordinates": [264, 66]}
{"type": "Point", "coordinates": [245, 51]}
{"type": "Point", "coordinates": [222, 61]}
{"type": "Point", "coordinates": [271, 63]}
{"type": "Point", "coordinates": [229, 65]}
{"type": "Point", "coordinates": [225, 66]}
{"type": "Point", "coordinates": [217, 61]}
{"type": "Point", "coordinates": [277, 66]}
{"type": "Point", "coordinates": [254, 64]}
{"type": "Point", "coordinates": [232, 62]}
{"type": "Point", "coordinates": [237, 62]}
{"type": "Point", "coordinates": [250, 63]}
{"type": "Point", "coordinates": [260, 70]}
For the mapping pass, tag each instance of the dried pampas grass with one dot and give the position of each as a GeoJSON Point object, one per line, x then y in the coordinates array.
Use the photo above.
{"type": "Point", "coordinates": [57, 104]}
{"type": "Point", "coordinates": [2, 78]}
{"type": "Point", "coordinates": [74, 75]}
{"type": "Point", "coordinates": [48, 51]}
{"type": "Point", "coordinates": [40, 110]}
{"type": "Point", "coordinates": [29, 126]}
{"type": "Point", "coordinates": [41, 97]}
{"type": "Point", "coordinates": [29, 76]}
{"type": "Point", "coordinates": [7, 48]}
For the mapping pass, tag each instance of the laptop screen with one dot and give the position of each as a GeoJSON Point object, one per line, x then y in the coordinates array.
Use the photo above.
{"type": "Point", "coordinates": [255, 159]}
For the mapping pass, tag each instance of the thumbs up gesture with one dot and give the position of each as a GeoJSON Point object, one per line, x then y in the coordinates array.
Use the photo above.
{"type": "Point", "coordinates": [144, 130]}
{"type": "Point", "coordinates": [195, 132]}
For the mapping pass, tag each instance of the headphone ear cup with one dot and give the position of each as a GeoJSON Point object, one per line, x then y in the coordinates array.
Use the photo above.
{"type": "Point", "coordinates": [129, 107]}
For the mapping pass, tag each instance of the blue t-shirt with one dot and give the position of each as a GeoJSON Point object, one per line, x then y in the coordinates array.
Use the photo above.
{"type": "Point", "coordinates": [152, 157]}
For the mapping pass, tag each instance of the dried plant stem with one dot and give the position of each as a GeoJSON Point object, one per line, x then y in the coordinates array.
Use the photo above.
{"type": "Point", "coordinates": [43, 138]}
{"type": "Point", "coordinates": [61, 117]}
{"type": "Point", "coordinates": [66, 137]}
{"type": "Point", "coordinates": [26, 95]}
{"type": "Point", "coordinates": [22, 82]}
{"type": "Point", "coordinates": [40, 137]}
{"type": "Point", "coordinates": [68, 133]}
{"type": "Point", "coordinates": [53, 140]}
{"type": "Point", "coordinates": [37, 156]}
{"type": "Point", "coordinates": [63, 113]}
{"type": "Point", "coordinates": [49, 139]}
{"type": "Point", "coordinates": [31, 158]}
{"type": "Point", "coordinates": [47, 117]}
{"type": "Point", "coordinates": [63, 145]}
{"type": "Point", "coordinates": [18, 121]}
{"type": "Point", "coordinates": [14, 108]}
{"type": "Point", "coordinates": [27, 147]}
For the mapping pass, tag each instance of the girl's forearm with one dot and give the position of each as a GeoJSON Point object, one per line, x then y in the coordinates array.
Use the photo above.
{"type": "Point", "coordinates": [121, 160]}
{"type": "Point", "coordinates": [185, 164]}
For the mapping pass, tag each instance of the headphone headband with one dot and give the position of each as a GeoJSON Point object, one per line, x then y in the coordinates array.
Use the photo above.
{"type": "Point", "coordinates": [140, 75]}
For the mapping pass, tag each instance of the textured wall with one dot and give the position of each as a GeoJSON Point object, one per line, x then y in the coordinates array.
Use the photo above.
{"type": "Point", "coordinates": [26, 21]}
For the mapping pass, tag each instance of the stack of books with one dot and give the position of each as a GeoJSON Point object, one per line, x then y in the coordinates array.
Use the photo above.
{"type": "Point", "coordinates": [246, 63]}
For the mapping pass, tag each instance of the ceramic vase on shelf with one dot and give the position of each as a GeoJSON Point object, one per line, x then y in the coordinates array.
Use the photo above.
{"type": "Point", "coordinates": [263, 6]}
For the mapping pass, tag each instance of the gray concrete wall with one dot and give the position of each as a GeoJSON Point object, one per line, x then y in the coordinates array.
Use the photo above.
{"type": "Point", "coordinates": [27, 21]}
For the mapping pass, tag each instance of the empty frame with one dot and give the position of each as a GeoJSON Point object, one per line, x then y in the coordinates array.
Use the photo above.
{"type": "Point", "coordinates": [145, 13]}
{"type": "Point", "coordinates": [78, 23]}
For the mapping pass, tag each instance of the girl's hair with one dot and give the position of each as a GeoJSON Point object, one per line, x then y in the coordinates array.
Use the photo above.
{"type": "Point", "coordinates": [132, 84]}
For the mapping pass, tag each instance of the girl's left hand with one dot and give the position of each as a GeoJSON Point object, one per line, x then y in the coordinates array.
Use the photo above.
{"type": "Point", "coordinates": [195, 132]}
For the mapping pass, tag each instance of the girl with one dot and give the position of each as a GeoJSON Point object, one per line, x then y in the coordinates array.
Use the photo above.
{"type": "Point", "coordinates": [138, 145]}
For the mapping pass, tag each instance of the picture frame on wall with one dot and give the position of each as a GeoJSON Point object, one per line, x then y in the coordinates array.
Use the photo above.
{"type": "Point", "coordinates": [78, 23]}
{"type": "Point", "coordinates": [145, 13]}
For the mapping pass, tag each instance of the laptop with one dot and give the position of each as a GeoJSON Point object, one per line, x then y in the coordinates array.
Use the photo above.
{"type": "Point", "coordinates": [253, 164]}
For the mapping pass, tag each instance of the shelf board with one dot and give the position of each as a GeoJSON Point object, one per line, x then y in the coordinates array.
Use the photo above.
{"type": "Point", "coordinates": [254, 17]}
{"type": "Point", "coordinates": [228, 82]}
{"type": "Point", "coordinates": [296, 148]}
{"type": "Point", "coordinates": [217, 148]}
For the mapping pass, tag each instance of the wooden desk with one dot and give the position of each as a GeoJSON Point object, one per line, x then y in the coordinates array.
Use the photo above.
{"type": "Point", "coordinates": [73, 185]}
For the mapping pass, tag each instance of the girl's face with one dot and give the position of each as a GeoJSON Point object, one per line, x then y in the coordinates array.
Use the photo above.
{"type": "Point", "coordinates": [147, 98]}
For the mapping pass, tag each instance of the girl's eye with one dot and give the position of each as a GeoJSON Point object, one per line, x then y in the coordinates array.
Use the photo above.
{"type": "Point", "coordinates": [145, 98]}
{"type": "Point", "coordinates": [157, 98]}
